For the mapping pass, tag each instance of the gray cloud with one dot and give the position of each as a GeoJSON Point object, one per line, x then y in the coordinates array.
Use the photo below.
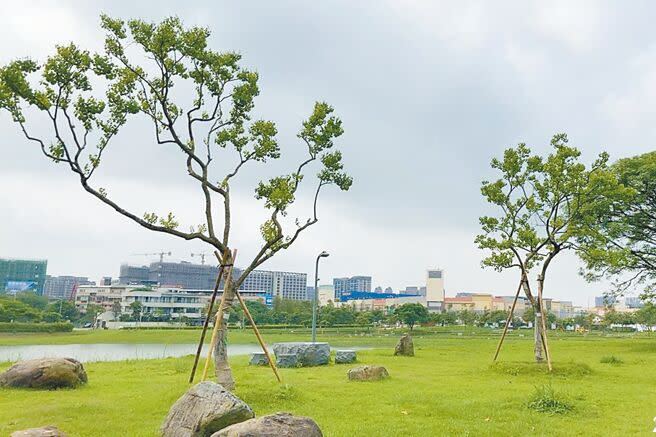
{"type": "Point", "coordinates": [429, 92]}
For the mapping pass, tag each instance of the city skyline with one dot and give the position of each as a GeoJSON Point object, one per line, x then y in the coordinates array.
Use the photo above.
{"type": "Point", "coordinates": [425, 204]}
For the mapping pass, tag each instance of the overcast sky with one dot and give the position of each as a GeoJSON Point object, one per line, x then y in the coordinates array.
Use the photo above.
{"type": "Point", "coordinates": [428, 92]}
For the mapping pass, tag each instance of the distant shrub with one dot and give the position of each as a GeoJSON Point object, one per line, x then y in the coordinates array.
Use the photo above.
{"type": "Point", "coordinates": [546, 400]}
{"type": "Point", "coordinates": [612, 359]}
{"type": "Point", "coordinates": [36, 327]}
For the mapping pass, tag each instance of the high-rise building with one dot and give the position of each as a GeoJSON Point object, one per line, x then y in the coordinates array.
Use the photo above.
{"type": "Point", "coordinates": [633, 302]}
{"type": "Point", "coordinates": [354, 283]}
{"type": "Point", "coordinates": [435, 290]}
{"type": "Point", "coordinates": [61, 287]}
{"type": "Point", "coordinates": [22, 275]}
{"type": "Point", "coordinates": [133, 274]}
{"type": "Point", "coordinates": [183, 274]}
{"type": "Point", "coordinates": [602, 301]}
{"type": "Point", "coordinates": [288, 285]}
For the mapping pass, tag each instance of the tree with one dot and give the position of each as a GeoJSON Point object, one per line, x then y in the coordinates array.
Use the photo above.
{"type": "Point", "coordinates": [411, 313]}
{"type": "Point", "coordinates": [467, 317]}
{"type": "Point", "coordinates": [32, 299]}
{"type": "Point", "coordinates": [545, 206]}
{"type": "Point", "coordinates": [65, 308]}
{"type": "Point", "coordinates": [116, 309]}
{"type": "Point", "coordinates": [146, 69]}
{"type": "Point", "coordinates": [136, 308]}
{"type": "Point", "coordinates": [646, 315]}
{"type": "Point", "coordinates": [624, 243]}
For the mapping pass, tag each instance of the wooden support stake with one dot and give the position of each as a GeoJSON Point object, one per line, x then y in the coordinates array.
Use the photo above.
{"type": "Point", "coordinates": [257, 334]}
{"type": "Point", "coordinates": [209, 314]}
{"type": "Point", "coordinates": [505, 328]}
{"type": "Point", "coordinates": [219, 314]}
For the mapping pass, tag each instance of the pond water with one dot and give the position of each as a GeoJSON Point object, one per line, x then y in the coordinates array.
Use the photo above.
{"type": "Point", "coordinates": [117, 352]}
{"type": "Point", "coordinates": [111, 352]}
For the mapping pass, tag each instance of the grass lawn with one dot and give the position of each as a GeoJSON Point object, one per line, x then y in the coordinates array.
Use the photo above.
{"type": "Point", "coordinates": [449, 388]}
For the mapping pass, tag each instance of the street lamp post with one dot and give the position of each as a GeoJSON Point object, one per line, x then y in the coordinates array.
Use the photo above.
{"type": "Point", "coordinates": [316, 295]}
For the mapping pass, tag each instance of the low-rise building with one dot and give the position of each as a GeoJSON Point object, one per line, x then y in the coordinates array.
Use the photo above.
{"type": "Point", "coordinates": [165, 301]}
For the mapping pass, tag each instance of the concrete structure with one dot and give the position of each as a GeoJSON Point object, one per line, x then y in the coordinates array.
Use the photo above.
{"type": "Point", "coordinates": [354, 283]}
{"type": "Point", "coordinates": [435, 290]}
{"type": "Point", "coordinates": [18, 275]}
{"type": "Point", "coordinates": [62, 287]}
{"type": "Point", "coordinates": [174, 302]}
{"type": "Point", "coordinates": [326, 293]}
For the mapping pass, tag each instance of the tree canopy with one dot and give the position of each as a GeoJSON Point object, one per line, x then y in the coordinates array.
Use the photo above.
{"type": "Point", "coordinates": [623, 244]}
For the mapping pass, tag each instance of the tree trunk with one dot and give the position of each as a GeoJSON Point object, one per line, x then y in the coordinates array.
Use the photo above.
{"type": "Point", "coordinates": [221, 364]}
{"type": "Point", "coordinates": [537, 333]}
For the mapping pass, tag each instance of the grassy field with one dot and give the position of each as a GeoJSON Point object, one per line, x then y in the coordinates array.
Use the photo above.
{"type": "Point", "coordinates": [449, 388]}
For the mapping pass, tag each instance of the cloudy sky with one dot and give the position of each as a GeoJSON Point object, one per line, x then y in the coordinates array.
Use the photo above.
{"type": "Point", "coordinates": [429, 92]}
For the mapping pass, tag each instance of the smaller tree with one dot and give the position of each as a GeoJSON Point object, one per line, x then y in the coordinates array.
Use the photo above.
{"type": "Point", "coordinates": [136, 307]}
{"type": "Point", "coordinates": [412, 313]}
{"type": "Point", "coordinates": [646, 315]}
{"type": "Point", "coordinates": [116, 309]}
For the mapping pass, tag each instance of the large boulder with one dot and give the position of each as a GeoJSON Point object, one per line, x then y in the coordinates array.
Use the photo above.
{"type": "Point", "coordinates": [367, 373]}
{"type": "Point", "coordinates": [274, 425]}
{"type": "Point", "coordinates": [46, 431]}
{"type": "Point", "coordinates": [404, 346]}
{"type": "Point", "coordinates": [345, 356]}
{"type": "Point", "coordinates": [204, 409]}
{"type": "Point", "coordinates": [309, 354]}
{"type": "Point", "coordinates": [48, 373]}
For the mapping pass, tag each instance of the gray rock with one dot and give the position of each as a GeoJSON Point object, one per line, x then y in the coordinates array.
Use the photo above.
{"type": "Point", "coordinates": [274, 425]}
{"type": "Point", "coordinates": [405, 347]}
{"type": "Point", "coordinates": [48, 373]}
{"type": "Point", "coordinates": [259, 359]}
{"type": "Point", "coordinates": [203, 410]}
{"type": "Point", "coordinates": [367, 373]}
{"type": "Point", "coordinates": [46, 431]}
{"type": "Point", "coordinates": [287, 360]}
{"type": "Point", "coordinates": [309, 354]}
{"type": "Point", "coordinates": [345, 356]}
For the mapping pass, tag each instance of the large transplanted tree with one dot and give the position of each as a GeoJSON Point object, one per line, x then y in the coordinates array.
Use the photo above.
{"type": "Point", "coordinates": [544, 204]}
{"type": "Point", "coordinates": [86, 98]}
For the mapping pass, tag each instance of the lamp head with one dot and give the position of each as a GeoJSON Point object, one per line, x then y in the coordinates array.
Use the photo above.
{"type": "Point", "coordinates": [324, 254]}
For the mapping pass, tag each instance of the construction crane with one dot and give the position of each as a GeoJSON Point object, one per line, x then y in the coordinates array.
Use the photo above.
{"type": "Point", "coordinates": [201, 255]}
{"type": "Point", "coordinates": [161, 255]}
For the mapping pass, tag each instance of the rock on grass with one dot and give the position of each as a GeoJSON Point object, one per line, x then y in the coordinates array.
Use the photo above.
{"type": "Point", "coordinates": [45, 373]}
{"type": "Point", "coordinates": [274, 425]}
{"type": "Point", "coordinates": [204, 409]}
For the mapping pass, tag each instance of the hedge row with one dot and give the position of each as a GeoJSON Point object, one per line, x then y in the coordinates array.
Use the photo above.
{"type": "Point", "coordinates": [36, 327]}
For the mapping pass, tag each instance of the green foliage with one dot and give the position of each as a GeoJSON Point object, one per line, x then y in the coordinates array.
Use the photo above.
{"type": "Point", "coordinates": [412, 313]}
{"type": "Point", "coordinates": [545, 204]}
{"type": "Point", "coordinates": [200, 103]}
{"type": "Point", "coordinates": [32, 299]}
{"type": "Point", "coordinates": [611, 359]}
{"type": "Point", "coordinates": [547, 400]}
{"type": "Point", "coordinates": [624, 244]}
{"type": "Point", "coordinates": [36, 327]}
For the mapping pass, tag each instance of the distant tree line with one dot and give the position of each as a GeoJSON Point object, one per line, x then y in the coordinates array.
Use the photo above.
{"type": "Point", "coordinates": [29, 307]}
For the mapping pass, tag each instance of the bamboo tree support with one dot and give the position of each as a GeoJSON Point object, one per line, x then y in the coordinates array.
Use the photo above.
{"type": "Point", "coordinates": [544, 323]}
{"type": "Point", "coordinates": [510, 315]}
{"type": "Point", "coordinates": [209, 314]}
{"type": "Point", "coordinates": [257, 334]}
{"type": "Point", "coordinates": [219, 313]}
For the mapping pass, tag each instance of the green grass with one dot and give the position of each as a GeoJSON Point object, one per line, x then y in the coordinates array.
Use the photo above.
{"type": "Point", "coordinates": [449, 388]}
